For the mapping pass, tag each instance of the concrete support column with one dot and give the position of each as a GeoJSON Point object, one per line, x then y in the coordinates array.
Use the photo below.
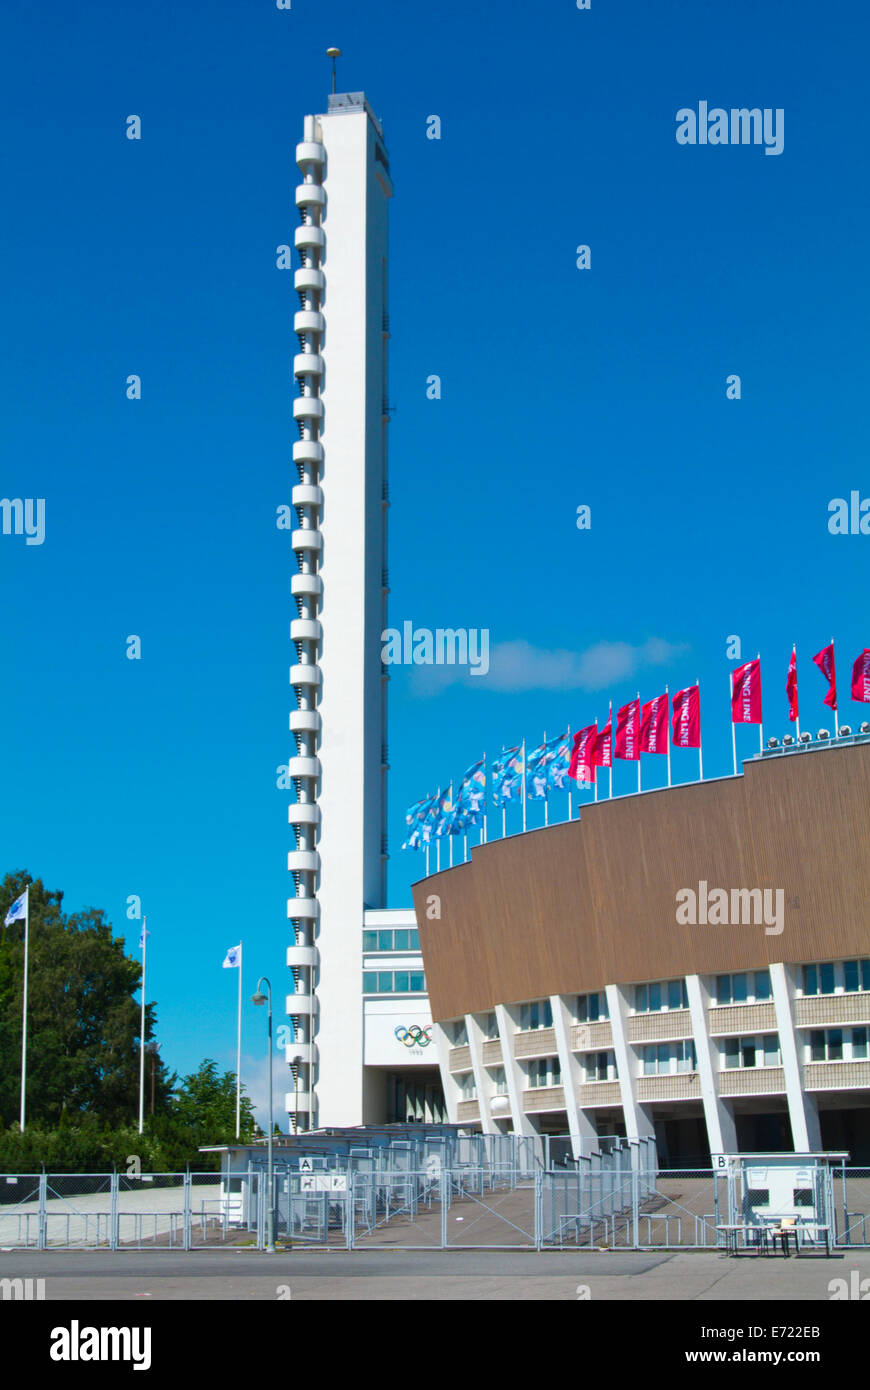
{"type": "Point", "coordinates": [507, 1029]}
{"type": "Point", "coordinates": [803, 1111]}
{"type": "Point", "coordinates": [638, 1121]}
{"type": "Point", "coordinates": [448, 1081]}
{"type": "Point", "coordinates": [584, 1135]}
{"type": "Point", "coordinates": [718, 1115]}
{"type": "Point", "coordinates": [482, 1079]}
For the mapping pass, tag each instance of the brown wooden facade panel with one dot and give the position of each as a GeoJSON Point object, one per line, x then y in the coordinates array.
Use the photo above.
{"type": "Point", "coordinates": [573, 907]}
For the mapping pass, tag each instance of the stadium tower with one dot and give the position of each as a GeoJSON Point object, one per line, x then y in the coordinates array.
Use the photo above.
{"type": "Point", "coordinates": [339, 772]}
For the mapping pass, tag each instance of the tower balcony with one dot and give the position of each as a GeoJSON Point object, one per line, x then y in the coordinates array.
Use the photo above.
{"type": "Point", "coordinates": [310, 195]}
{"type": "Point", "coordinates": [303, 812]}
{"type": "Point", "coordinates": [311, 236]}
{"type": "Point", "coordinates": [303, 909]}
{"type": "Point", "coordinates": [308, 451]}
{"type": "Point", "coordinates": [309, 675]}
{"type": "Point", "coordinates": [301, 1005]}
{"type": "Point", "coordinates": [304, 767]}
{"type": "Point", "coordinates": [309, 321]}
{"type": "Point", "coordinates": [306, 586]}
{"type": "Point", "coordinates": [310, 152]}
{"type": "Point", "coordinates": [303, 861]}
{"type": "Point", "coordinates": [305, 721]}
{"type": "Point", "coordinates": [307, 363]}
{"type": "Point", "coordinates": [308, 280]}
{"type": "Point", "coordinates": [307, 957]}
{"type": "Point", "coordinates": [305, 630]}
{"type": "Point", "coordinates": [297, 1102]}
{"type": "Point", "coordinates": [311, 539]}
{"type": "Point", "coordinates": [308, 408]}
{"type": "Point", "coordinates": [307, 495]}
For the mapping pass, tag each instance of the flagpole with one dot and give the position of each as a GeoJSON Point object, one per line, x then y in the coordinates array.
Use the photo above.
{"type": "Point", "coordinates": [733, 725]}
{"type": "Point", "coordinates": [524, 785]}
{"type": "Point", "coordinates": [668, 732]}
{"type": "Point", "coordinates": [503, 807]}
{"type": "Point", "coordinates": [760, 725]}
{"type": "Point", "coordinates": [142, 1030]}
{"type": "Point", "coordinates": [546, 798]}
{"type": "Point", "coordinates": [638, 739]}
{"type": "Point", "coordinates": [797, 722]}
{"type": "Point", "coordinates": [610, 724]}
{"type": "Point", "coordinates": [700, 735]}
{"type": "Point", "coordinates": [24, 1014]}
{"type": "Point", "coordinates": [450, 837]}
{"type": "Point", "coordinates": [239, 1051]}
{"type": "Point", "coordinates": [568, 779]}
{"type": "Point", "coordinates": [483, 840]}
{"type": "Point", "coordinates": [833, 672]}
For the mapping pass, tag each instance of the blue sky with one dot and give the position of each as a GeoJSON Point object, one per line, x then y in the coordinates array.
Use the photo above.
{"type": "Point", "coordinates": [560, 387]}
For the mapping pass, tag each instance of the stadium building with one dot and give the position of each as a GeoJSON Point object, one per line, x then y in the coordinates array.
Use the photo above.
{"type": "Point", "coordinates": [691, 964]}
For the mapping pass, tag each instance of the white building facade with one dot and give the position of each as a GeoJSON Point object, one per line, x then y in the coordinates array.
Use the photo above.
{"type": "Point", "coordinates": [357, 1032]}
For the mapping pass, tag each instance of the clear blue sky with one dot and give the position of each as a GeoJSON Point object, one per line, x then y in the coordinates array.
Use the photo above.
{"type": "Point", "coordinates": [560, 387]}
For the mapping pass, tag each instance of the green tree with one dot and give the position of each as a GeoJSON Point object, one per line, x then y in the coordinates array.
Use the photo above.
{"type": "Point", "coordinates": [205, 1105]}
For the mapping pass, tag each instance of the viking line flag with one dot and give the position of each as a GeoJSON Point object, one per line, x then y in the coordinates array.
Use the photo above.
{"type": "Point", "coordinates": [687, 718]}
{"type": "Point", "coordinates": [602, 753]}
{"type": "Point", "coordinates": [791, 688]}
{"type": "Point", "coordinates": [861, 677]}
{"type": "Point", "coordinates": [582, 765]}
{"type": "Point", "coordinates": [746, 693]}
{"type": "Point", "coordinates": [628, 732]}
{"type": "Point", "coordinates": [654, 726]}
{"type": "Point", "coordinates": [825, 662]}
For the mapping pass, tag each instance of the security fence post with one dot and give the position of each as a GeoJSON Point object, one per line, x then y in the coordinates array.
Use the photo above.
{"type": "Point", "coordinates": [187, 1219]}
{"type": "Point", "coordinates": [445, 1202]}
{"type": "Point", "coordinates": [847, 1231]}
{"type": "Point", "coordinates": [41, 1220]}
{"type": "Point", "coordinates": [539, 1209]}
{"type": "Point", "coordinates": [635, 1186]}
{"type": "Point", "coordinates": [113, 1211]}
{"type": "Point", "coordinates": [350, 1207]}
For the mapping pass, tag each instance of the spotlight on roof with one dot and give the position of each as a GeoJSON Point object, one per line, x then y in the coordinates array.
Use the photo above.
{"type": "Point", "coordinates": [773, 743]}
{"type": "Point", "coordinates": [805, 738]}
{"type": "Point", "coordinates": [823, 734]}
{"type": "Point", "coordinates": [788, 741]}
{"type": "Point", "coordinates": [865, 728]}
{"type": "Point", "coordinates": [845, 731]}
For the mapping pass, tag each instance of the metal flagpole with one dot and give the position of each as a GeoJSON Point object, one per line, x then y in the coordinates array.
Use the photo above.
{"type": "Point", "coordinates": [239, 1050]}
{"type": "Point", "coordinates": [638, 740]}
{"type": "Point", "coordinates": [610, 723]}
{"type": "Point", "coordinates": [668, 731]}
{"type": "Point", "coordinates": [524, 784]}
{"type": "Point", "coordinates": [836, 715]}
{"type": "Point", "coordinates": [700, 754]}
{"type": "Point", "coordinates": [546, 798]}
{"type": "Point", "coordinates": [797, 722]}
{"type": "Point", "coordinates": [24, 1014]}
{"type": "Point", "coordinates": [733, 725]}
{"type": "Point", "coordinates": [760, 725]}
{"type": "Point", "coordinates": [503, 808]}
{"type": "Point", "coordinates": [568, 779]}
{"type": "Point", "coordinates": [142, 1030]}
{"type": "Point", "coordinates": [483, 832]}
{"type": "Point", "coordinates": [450, 837]}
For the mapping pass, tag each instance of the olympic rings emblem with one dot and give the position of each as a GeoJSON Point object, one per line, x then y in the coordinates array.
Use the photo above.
{"type": "Point", "coordinates": [415, 1036]}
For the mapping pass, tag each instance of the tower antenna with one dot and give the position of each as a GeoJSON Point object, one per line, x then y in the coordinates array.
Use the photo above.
{"type": "Point", "coordinates": [333, 53]}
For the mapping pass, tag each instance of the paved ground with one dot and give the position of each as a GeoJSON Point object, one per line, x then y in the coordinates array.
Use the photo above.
{"type": "Point", "coordinates": [150, 1214]}
{"type": "Point", "coordinates": [234, 1274]}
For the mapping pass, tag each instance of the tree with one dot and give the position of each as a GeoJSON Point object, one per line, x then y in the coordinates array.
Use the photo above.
{"type": "Point", "coordinates": [82, 1020]}
{"type": "Point", "coordinates": [205, 1103]}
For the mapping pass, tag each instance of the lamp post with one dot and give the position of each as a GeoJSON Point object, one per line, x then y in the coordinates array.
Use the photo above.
{"type": "Point", "coordinates": [260, 998]}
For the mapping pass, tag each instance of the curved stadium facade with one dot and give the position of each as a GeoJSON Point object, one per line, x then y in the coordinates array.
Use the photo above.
{"type": "Point", "coordinates": [691, 964]}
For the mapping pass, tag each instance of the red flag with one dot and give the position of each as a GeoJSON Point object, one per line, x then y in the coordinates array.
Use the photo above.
{"type": "Point", "coordinates": [628, 732]}
{"type": "Point", "coordinates": [791, 686]}
{"type": "Point", "coordinates": [654, 726]}
{"type": "Point", "coordinates": [602, 753]}
{"type": "Point", "coordinates": [746, 693]}
{"type": "Point", "coordinates": [582, 765]}
{"type": "Point", "coordinates": [861, 677]}
{"type": "Point", "coordinates": [825, 662]}
{"type": "Point", "coordinates": [687, 718]}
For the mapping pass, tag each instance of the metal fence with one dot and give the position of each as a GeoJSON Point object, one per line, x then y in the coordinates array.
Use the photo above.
{"type": "Point", "coordinates": [388, 1199]}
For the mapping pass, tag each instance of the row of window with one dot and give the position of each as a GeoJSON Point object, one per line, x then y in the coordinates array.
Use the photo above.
{"type": "Point", "coordinates": [751, 1052]}
{"type": "Point", "coordinates": [746, 987]}
{"type": "Point", "coordinates": [394, 982]}
{"type": "Point", "coordinates": [396, 939]}
{"type": "Point", "coordinates": [666, 1059]}
{"type": "Point", "coordinates": [835, 977]}
{"type": "Point", "coordinates": [837, 1045]}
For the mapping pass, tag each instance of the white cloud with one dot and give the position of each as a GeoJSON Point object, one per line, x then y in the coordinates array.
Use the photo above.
{"type": "Point", "coordinates": [518, 666]}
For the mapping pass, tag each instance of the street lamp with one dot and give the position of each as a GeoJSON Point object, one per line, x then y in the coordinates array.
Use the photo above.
{"type": "Point", "coordinates": [260, 998]}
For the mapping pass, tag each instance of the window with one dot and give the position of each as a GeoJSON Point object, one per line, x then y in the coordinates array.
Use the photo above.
{"type": "Point", "coordinates": [599, 1066]}
{"type": "Point", "coordinates": [489, 1026]}
{"type": "Point", "coordinates": [856, 975]}
{"type": "Point", "coordinates": [394, 982]}
{"type": "Point", "coordinates": [499, 1082]}
{"type": "Point", "coordinates": [837, 1044]}
{"type": "Point", "coordinates": [859, 1044]}
{"type": "Point", "coordinates": [663, 994]}
{"type": "Point", "coordinates": [819, 979]}
{"type": "Point", "coordinates": [401, 939]}
{"type": "Point", "coordinates": [745, 987]}
{"type": "Point", "coordinates": [667, 1058]}
{"type": "Point", "coordinates": [467, 1088]}
{"type": "Point", "coordinates": [750, 1052]}
{"type": "Point", "coordinates": [591, 1007]}
{"type": "Point", "coordinates": [537, 1014]}
{"type": "Point", "coordinates": [545, 1071]}
{"type": "Point", "coordinates": [458, 1033]}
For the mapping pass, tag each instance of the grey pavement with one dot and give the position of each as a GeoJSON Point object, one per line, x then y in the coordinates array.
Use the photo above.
{"type": "Point", "coordinates": [404, 1275]}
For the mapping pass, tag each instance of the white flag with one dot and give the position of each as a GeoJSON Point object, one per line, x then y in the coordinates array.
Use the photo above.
{"type": "Point", "coordinates": [234, 958]}
{"type": "Point", "coordinates": [18, 910]}
{"type": "Point", "coordinates": [142, 936]}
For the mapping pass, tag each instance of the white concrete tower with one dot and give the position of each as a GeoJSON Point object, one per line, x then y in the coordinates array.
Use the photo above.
{"type": "Point", "coordinates": [340, 768]}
